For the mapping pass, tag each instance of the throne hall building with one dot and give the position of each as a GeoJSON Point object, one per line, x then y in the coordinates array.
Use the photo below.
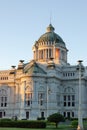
{"type": "Point", "coordinates": [45, 85]}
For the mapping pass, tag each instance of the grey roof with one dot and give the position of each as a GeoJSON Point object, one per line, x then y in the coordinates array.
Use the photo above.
{"type": "Point", "coordinates": [34, 68]}
{"type": "Point", "coordinates": [50, 35]}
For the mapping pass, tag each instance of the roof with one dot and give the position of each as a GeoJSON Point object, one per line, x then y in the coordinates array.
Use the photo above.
{"type": "Point", "coordinates": [50, 35]}
{"type": "Point", "coordinates": [34, 68]}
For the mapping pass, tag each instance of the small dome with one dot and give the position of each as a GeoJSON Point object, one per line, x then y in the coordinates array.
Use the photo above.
{"type": "Point", "coordinates": [50, 35]}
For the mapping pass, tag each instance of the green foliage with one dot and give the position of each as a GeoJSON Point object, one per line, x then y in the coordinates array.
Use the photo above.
{"type": "Point", "coordinates": [23, 124]}
{"type": "Point", "coordinates": [56, 118]}
{"type": "Point", "coordinates": [74, 123]}
{"type": "Point", "coordinates": [5, 119]}
{"type": "Point", "coordinates": [72, 119]}
{"type": "Point", "coordinates": [41, 118]}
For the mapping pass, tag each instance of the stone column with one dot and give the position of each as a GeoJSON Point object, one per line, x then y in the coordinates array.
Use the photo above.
{"type": "Point", "coordinates": [22, 92]}
{"type": "Point", "coordinates": [54, 52]}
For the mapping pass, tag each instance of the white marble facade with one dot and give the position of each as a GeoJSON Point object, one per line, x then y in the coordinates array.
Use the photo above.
{"type": "Point", "coordinates": [45, 85]}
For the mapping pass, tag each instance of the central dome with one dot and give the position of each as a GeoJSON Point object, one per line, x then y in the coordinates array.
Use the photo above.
{"type": "Point", "coordinates": [50, 35]}
{"type": "Point", "coordinates": [50, 46]}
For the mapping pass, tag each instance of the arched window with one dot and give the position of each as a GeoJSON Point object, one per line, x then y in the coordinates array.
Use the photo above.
{"type": "Point", "coordinates": [41, 96]}
{"type": "Point", "coordinates": [3, 98]}
{"type": "Point", "coordinates": [28, 96]}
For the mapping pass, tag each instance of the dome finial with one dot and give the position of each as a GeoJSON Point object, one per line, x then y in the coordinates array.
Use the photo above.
{"type": "Point", "coordinates": [50, 28]}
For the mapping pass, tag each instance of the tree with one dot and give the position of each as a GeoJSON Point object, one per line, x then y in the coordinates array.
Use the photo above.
{"type": "Point", "coordinates": [56, 118]}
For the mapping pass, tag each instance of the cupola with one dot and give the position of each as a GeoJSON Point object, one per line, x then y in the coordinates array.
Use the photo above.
{"type": "Point", "coordinates": [50, 45]}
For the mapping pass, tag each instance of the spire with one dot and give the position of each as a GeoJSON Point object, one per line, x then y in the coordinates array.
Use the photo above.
{"type": "Point", "coordinates": [50, 17]}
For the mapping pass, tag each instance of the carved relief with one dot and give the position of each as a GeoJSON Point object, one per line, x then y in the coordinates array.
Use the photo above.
{"type": "Point", "coordinates": [28, 88]}
{"type": "Point", "coordinates": [41, 88]}
{"type": "Point", "coordinates": [69, 90]}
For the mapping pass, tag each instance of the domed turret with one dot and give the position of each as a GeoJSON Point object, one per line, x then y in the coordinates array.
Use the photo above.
{"type": "Point", "coordinates": [50, 45]}
{"type": "Point", "coordinates": [50, 35]}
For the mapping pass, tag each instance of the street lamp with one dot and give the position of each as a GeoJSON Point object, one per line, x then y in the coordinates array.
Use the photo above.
{"type": "Point", "coordinates": [80, 121]}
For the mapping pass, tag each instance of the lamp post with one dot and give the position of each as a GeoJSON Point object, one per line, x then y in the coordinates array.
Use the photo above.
{"type": "Point", "coordinates": [80, 121]}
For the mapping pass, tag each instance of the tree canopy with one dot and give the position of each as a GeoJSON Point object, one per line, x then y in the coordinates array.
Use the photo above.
{"type": "Point", "coordinates": [56, 118]}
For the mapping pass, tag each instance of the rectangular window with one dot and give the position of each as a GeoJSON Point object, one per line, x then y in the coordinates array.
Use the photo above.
{"type": "Point", "coordinates": [28, 102]}
{"type": "Point", "coordinates": [73, 97]}
{"type": "Point", "coordinates": [1, 99]}
{"type": "Point", "coordinates": [41, 98]}
{"type": "Point", "coordinates": [5, 99]}
{"type": "Point", "coordinates": [64, 98]}
{"type": "Point", "coordinates": [5, 104]}
{"type": "Point", "coordinates": [49, 52]}
{"type": "Point", "coordinates": [4, 113]}
{"type": "Point", "coordinates": [28, 99]}
{"type": "Point", "coordinates": [73, 104]}
{"type": "Point", "coordinates": [1, 104]}
{"type": "Point", "coordinates": [68, 97]}
{"type": "Point", "coordinates": [64, 103]}
{"type": "Point", "coordinates": [68, 114]}
{"type": "Point", "coordinates": [72, 114]}
{"type": "Point", "coordinates": [64, 114]}
{"type": "Point", "coordinates": [42, 114]}
{"type": "Point", "coordinates": [69, 100]}
{"type": "Point", "coordinates": [68, 104]}
{"type": "Point", "coordinates": [27, 115]}
{"type": "Point", "coordinates": [41, 102]}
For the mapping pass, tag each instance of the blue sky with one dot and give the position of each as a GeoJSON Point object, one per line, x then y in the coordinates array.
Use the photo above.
{"type": "Point", "coordinates": [22, 22]}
